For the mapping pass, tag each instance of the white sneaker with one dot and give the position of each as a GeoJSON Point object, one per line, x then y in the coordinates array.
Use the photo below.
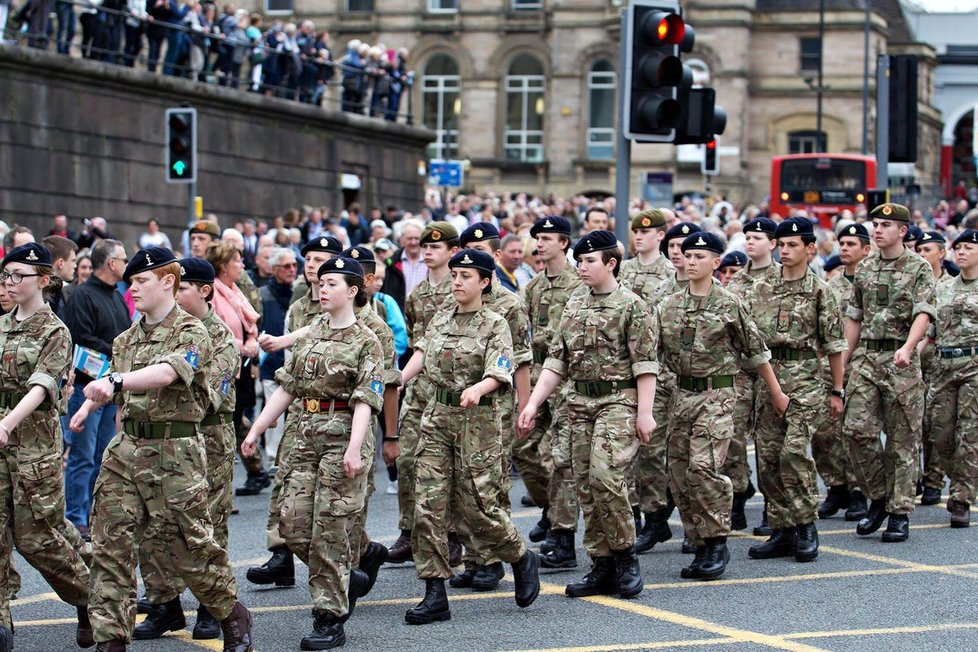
{"type": "Point", "coordinates": [392, 489]}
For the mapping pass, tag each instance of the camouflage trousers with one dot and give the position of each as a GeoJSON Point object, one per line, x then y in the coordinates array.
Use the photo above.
{"type": "Point", "coordinates": [603, 445]}
{"type": "Point", "coordinates": [319, 504]}
{"type": "Point", "coordinates": [953, 416]}
{"type": "Point", "coordinates": [32, 515]}
{"type": "Point", "coordinates": [161, 581]}
{"type": "Point", "coordinates": [932, 468]}
{"type": "Point", "coordinates": [736, 466]}
{"type": "Point", "coordinates": [273, 538]}
{"type": "Point", "coordinates": [457, 483]}
{"type": "Point", "coordinates": [700, 429]}
{"type": "Point", "coordinates": [651, 476]}
{"type": "Point", "coordinates": [409, 429]}
{"type": "Point", "coordinates": [564, 511]}
{"type": "Point", "coordinates": [829, 449]}
{"type": "Point", "coordinates": [357, 524]}
{"type": "Point", "coordinates": [883, 397]}
{"type": "Point", "coordinates": [532, 457]}
{"type": "Point", "coordinates": [154, 488]}
{"type": "Point", "coordinates": [786, 471]}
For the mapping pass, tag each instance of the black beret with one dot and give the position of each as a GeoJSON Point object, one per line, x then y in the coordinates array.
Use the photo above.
{"type": "Point", "coordinates": [340, 265]}
{"type": "Point", "coordinates": [831, 263]}
{"type": "Point", "coordinates": [890, 211]}
{"type": "Point", "coordinates": [913, 233]}
{"type": "Point", "coordinates": [327, 244]}
{"type": "Point", "coordinates": [147, 259]}
{"type": "Point", "coordinates": [595, 241]}
{"type": "Point", "coordinates": [681, 230]}
{"type": "Point", "coordinates": [761, 225]}
{"type": "Point", "coordinates": [734, 259]}
{"type": "Point", "coordinates": [360, 254]}
{"type": "Point", "coordinates": [704, 241]}
{"type": "Point", "coordinates": [473, 259]}
{"type": "Point", "coordinates": [550, 225]}
{"type": "Point", "coordinates": [196, 270]}
{"type": "Point", "coordinates": [931, 236]}
{"type": "Point", "coordinates": [796, 226]}
{"type": "Point", "coordinates": [968, 235]}
{"type": "Point", "coordinates": [30, 253]}
{"type": "Point", "coordinates": [855, 231]}
{"type": "Point", "coordinates": [478, 232]}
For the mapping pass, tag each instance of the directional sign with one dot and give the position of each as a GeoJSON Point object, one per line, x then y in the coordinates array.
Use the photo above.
{"type": "Point", "coordinates": [446, 173]}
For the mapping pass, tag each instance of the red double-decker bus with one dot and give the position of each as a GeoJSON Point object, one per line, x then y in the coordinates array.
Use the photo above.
{"type": "Point", "coordinates": [822, 184]}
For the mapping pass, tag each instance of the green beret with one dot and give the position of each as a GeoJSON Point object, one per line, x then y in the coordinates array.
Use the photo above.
{"type": "Point", "coordinates": [649, 219]}
{"type": "Point", "coordinates": [891, 211]}
{"type": "Point", "coordinates": [439, 231]}
{"type": "Point", "coordinates": [209, 227]}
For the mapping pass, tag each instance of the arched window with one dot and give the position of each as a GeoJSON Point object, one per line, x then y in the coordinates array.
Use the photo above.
{"type": "Point", "coordinates": [441, 104]}
{"type": "Point", "coordinates": [523, 128]}
{"type": "Point", "coordinates": [601, 111]}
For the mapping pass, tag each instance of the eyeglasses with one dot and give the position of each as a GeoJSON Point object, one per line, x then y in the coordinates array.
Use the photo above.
{"type": "Point", "coordinates": [287, 265]}
{"type": "Point", "coordinates": [125, 260]}
{"type": "Point", "coordinates": [15, 278]}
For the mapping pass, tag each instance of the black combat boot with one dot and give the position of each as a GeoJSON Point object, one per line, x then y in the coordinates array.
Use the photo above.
{"type": "Point", "coordinates": [84, 636]}
{"type": "Point", "coordinates": [527, 501]}
{"type": "Point", "coordinates": [600, 581]}
{"type": "Point", "coordinates": [738, 520]}
{"type": "Point", "coordinates": [806, 542]}
{"type": "Point", "coordinates": [637, 515]}
{"type": "Point", "coordinates": [692, 571]}
{"type": "Point", "coordinates": [550, 542]}
{"type": "Point", "coordinates": [763, 529]}
{"type": "Point", "coordinates": [237, 630]}
{"type": "Point", "coordinates": [539, 531]}
{"type": "Point", "coordinates": [960, 513]}
{"type": "Point", "coordinates": [931, 496]}
{"type": "Point", "coordinates": [371, 561]}
{"type": "Point", "coordinates": [780, 544]}
{"type": "Point", "coordinates": [7, 640]}
{"type": "Point", "coordinates": [162, 618]}
{"type": "Point", "coordinates": [563, 554]}
{"type": "Point", "coordinates": [656, 530]}
{"type": "Point", "coordinates": [487, 578]}
{"type": "Point", "coordinates": [254, 484]}
{"type": "Point", "coordinates": [278, 570]}
{"type": "Point", "coordinates": [837, 498]}
{"type": "Point", "coordinates": [717, 558]}
{"type": "Point", "coordinates": [628, 573]}
{"type": "Point", "coordinates": [688, 547]}
{"type": "Point", "coordinates": [358, 588]}
{"type": "Point", "coordinates": [327, 633]}
{"type": "Point", "coordinates": [433, 607]}
{"type": "Point", "coordinates": [464, 579]}
{"type": "Point", "coordinates": [206, 627]}
{"type": "Point", "coordinates": [143, 605]}
{"type": "Point", "coordinates": [107, 646]}
{"type": "Point", "coordinates": [874, 517]}
{"type": "Point", "coordinates": [857, 506]}
{"type": "Point", "coordinates": [526, 575]}
{"type": "Point", "coordinates": [454, 550]}
{"type": "Point", "coordinates": [897, 529]}
{"type": "Point", "coordinates": [401, 551]}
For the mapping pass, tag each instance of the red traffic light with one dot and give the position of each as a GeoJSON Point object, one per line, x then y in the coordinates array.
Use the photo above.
{"type": "Point", "coordinates": [663, 28]}
{"type": "Point", "coordinates": [712, 144]}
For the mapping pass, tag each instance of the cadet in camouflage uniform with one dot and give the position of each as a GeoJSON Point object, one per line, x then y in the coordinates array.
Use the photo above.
{"type": "Point", "coordinates": [706, 334]}
{"type": "Point", "coordinates": [606, 349]}
{"type": "Point", "coordinates": [439, 242]}
{"type": "Point", "coordinates": [651, 276]}
{"type": "Point", "coordinates": [546, 295]}
{"type": "Point", "coordinates": [36, 351]}
{"type": "Point", "coordinates": [953, 403]}
{"type": "Point", "coordinates": [163, 585]}
{"type": "Point", "coordinates": [799, 318]}
{"type": "Point", "coordinates": [672, 246]}
{"type": "Point", "coordinates": [890, 308]}
{"type": "Point", "coordinates": [730, 265]}
{"type": "Point", "coordinates": [153, 477]}
{"type": "Point", "coordinates": [467, 354]}
{"type": "Point", "coordinates": [760, 244]}
{"type": "Point", "coordinates": [335, 372]}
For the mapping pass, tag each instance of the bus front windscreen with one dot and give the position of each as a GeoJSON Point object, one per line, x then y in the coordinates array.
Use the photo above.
{"type": "Point", "coordinates": [823, 180]}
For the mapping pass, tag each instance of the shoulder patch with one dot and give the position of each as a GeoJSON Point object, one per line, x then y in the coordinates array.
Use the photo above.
{"type": "Point", "coordinates": [503, 362]}
{"type": "Point", "coordinates": [193, 356]}
{"type": "Point", "coordinates": [376, 386]}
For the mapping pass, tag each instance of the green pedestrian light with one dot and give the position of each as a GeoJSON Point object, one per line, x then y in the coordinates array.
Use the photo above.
{"type": "Point", "coordinates": [179, 168]}
{"type": "Point", "coordinates": [181, 145]}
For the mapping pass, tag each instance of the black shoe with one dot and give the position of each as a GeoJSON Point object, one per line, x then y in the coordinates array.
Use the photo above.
{"type": "Point", "coordinates": [433, 607]}
{"type": "Point", "coordinates": [550, 542]}
{"type": "Point", "coordinates": [143, 605]}
{"type": "Point", "coordinates": [738, 520]}
{"type": "Point", "coordinates": [358, 588]}
{"type": "Point", "coordinates": [600, 581]}
{"type": "Point", "coordinates": [462, 580]}
{"type": "Point", "coordinates": [563, 554]}
{"type": "Point", "coordinates": [837, 498]}
{"type": "Point", "coordinates": [656, 530]}
{"type": "Point", "coordinates": [897, 529]}
{"type": "Point", "coordinates": [162, 618]}
{"type": "Point", "coordinates": [526, 501]}
{"type": "Point", "coordinates": [253, 485]}
{"type": "Point", "coordinates": [960, 513]}
{"type": "Point", "coordinates": [857, 507]}
{"type": "Point", "coordinates": [206, 627]}
{"type": "Point", "coordinates": [327, 633]}
{"type": "Point", "coordinates": [401, 551]}
{"type": "Point", "coordinates": [539, 531]}
{"type": "Point", "coordinates": [487, 578]}
{"type": "Point", "coordinates": [371, 561]}
{"type": "Point", "coordinates": [931, 496]}
{"type": "Point", "coordinates": [6, 640]}
{"type": "Point", "coordinates": [637, 515]}
{"type": "Point", "coordinates": [692, 571]}
{"type": "Point", "coordinates": [874, 517]}
{"type": "Point", "coordinates": [688, 547]}
{"type": "Point", "coordinates": [278, 570]}
{"type": "Point", "coordinates": [780, 544]}
{"type": "Point", "coordinates": [717, 558]}
{"type": "Point", "coordinates": [454, 550]}
{"type": "Point", "coordinates": [763, 530]}
{"type": "Point", "coordinates": [84, 636]}
{"type": "Point", "coordinates": [806, 542]}
{"type": "Point", "coordinates": [526, 575]}
{"type": "Point", "coordinates": [628, 573]}
{"type": "Point", "coordinates": [920, 487]}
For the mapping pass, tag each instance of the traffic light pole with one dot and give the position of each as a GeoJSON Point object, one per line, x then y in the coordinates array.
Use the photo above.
{"type": "Point", "coordinates": [623, 149]}
{"type": "Point", "coordinates": [882, 121]}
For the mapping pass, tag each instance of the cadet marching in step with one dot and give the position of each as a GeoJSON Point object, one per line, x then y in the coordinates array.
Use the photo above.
{"type": "Point", "coordinates": [622, 390]}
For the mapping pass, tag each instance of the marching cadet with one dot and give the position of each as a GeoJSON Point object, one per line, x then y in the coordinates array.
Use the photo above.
{"type": "Point", "coordinates": [154, 472]}
{"type": "Point", "coordinates": [651, 276]}
{"type": "Point", "coordinates": [829, 446]}
{"type": "Point", "coordinates": [799, 318]}
{"type": "Point", "coordinates": [163, 585]}
{"type": "Point", "coordinates": [546, 295]}
{"type": "Point", "coordinates": [730, 264]}
{"type": "Point", "coordinates": [890, 308]}
{"type": "Point", "coordinates": [467, 354]}
{"type": "Point", "coordinates": [335, 372]}
{"type": "Point", "coordinates": [672, 246]}
{"type": "Point", "coordinates": [36, 350]}
{"type": "Point", "coordinates": [953, 403]}
{"type": "Point", "coordinates": [605, 348]}
{"type": "Point", "coordinates": [439, 242]}
{"type": "Point", "coordinates": [706, 334]}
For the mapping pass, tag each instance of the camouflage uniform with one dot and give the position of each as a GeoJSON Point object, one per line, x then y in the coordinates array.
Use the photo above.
{"type": "Point", "coordinates": [329, 372]}
{"type": "Point", "coordinates": [653, 283]}
{"type": "Point", "coordinates": [548, 478]}
{"type": "Point", "coordinates": [36, 352]}
{"type": "Point", "coordinates": [930, 368]}
{"type": "Point", "coordinates": [798, 319]}
{"type": "Point", "coordinates": [603, 343]}
{"type": "Point", "coordinates": [704, 341]}
{"type": "Point", "coordinates": [953, 401]}
{"type": "Point", "coordinates": [162, 583]}
{"type": "Point", "coordinates": [887, 295]}
{"type": "Point", "coordinates": [460, 449]}
{"type": "Point", "coordinates": [153, 481]}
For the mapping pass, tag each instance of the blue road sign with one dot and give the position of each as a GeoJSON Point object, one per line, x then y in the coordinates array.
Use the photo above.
{"type": "Point", "coordinates": [445, 173]}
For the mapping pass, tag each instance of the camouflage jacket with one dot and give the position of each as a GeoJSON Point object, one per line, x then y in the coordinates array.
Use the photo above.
{"type": "Point", "coordinates": [545, 299]}
{"type": "Point", "coordinates": [223, 364]}
{"type": "Point", "coordinates": [391, 375]}
{"type": "Point", "coordinates": [957, 313]}
{"type": "Point", "coordinates": [36, 352]}
{"type": "Point", "coordinates": [421, 305]}
{"type": "Point", "coordinates": [888, 294]}
{"type": "Point", "coordinates": [799, 314]}
{"type": "Point", "coordinates": [652, 282]}
{"type": "Point", "coordinates": [510, 307]}
{"type": "Point", "coordinates": [461, 350]}
{"type": "Point", "coordinates": [743, 281]}
{"type": "Point", "coordinates": [302, 313]}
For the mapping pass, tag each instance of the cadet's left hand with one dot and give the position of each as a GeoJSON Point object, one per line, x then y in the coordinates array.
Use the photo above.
{"type": "Point", "coordinates": [644, 426]}
{"type": "Point", "coordinates": [527, 421]}
{"type": "Point", "coordinates": [351, 462]}
{"type": "Point", "coordinates": [470, 397]}
{"type": "Point", "coordinates": [901, 357]}
{"type": "Point", "coordinates": [270, 343]}
{"type": "Point", "coordinates": [99, 391]}
{"type": "Point", "coordinates": [390, 451]}
{"type": "Point", "coordinates": [836, 408]}
{"type": "Point", "coordinates": [780, 402]}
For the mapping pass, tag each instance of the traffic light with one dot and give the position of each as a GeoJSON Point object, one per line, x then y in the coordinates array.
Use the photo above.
{"type": "Point", "coordinates": [653, 72]}
{"type": "Point", "coordinates": [181, 145]}
{"type": "Point", "coordinates": [903, 109]}
{"type": "Point", "coordinates": [702, 120]}
{"type": "Point", "coordinates": [711, 163]}
{"type": "Point", "coordinates": [876, 198]}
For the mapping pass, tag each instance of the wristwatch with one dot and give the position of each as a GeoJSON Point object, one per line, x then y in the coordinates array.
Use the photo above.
{"type": "Point", "coordinates": [116, 379]}
{"type": "Point", "coordinates": [841, 393]}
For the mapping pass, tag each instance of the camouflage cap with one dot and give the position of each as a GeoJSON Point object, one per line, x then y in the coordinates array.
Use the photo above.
{"type": "Point", "coordinates": [211, 228]}
{"type": "Point", "coordinates": [649, 219]}
{"type": "Point", "coordinates": [340, 265]}
{"type": "Point", "coordinates": [891, 211]}
{"type": "Point", "coordinates": [438, 231]}
{"type": "Point", "coordinates": [30, 253]}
